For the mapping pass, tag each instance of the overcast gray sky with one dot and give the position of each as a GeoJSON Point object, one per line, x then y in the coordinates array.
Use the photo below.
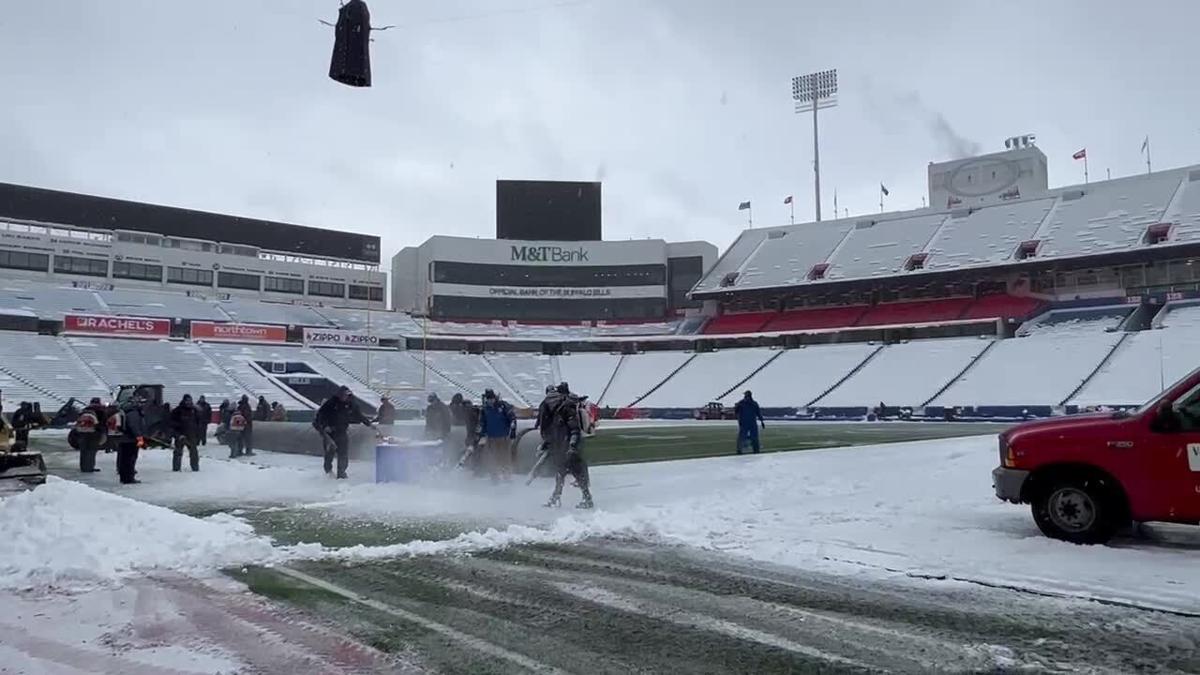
{"type": "Point", "coordinates": [681, 107]}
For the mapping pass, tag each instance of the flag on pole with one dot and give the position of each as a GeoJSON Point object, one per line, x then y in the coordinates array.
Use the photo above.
{"type": "Point", "coordinates": [1082, 154]}
{"type": "Point", "coordinates": [744, 206]}
{"type": "Point", "coordinates": [1146, 143]}
{"type": "Point", "coordinates": [884, 190]}
{"type": "Point", "coordinates": [787, 200]}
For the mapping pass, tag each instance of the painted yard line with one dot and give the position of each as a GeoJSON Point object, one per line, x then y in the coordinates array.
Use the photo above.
{"type": "Point", "coordinates": [476, 643]}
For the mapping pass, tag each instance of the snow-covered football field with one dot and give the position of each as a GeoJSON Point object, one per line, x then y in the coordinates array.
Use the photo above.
{"type": "Point", "coordinates": [919, 515]}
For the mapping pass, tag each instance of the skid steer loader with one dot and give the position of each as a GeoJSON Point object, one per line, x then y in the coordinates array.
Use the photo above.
{"type": "Point", "coordinates": [20, 467]}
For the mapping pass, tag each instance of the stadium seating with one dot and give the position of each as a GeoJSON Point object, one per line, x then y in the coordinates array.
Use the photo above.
{"type": "Point", "coordinates": [48, 301]}
{"type": "Point", "coordinates": [986, 236]}
{"type": "Point", "coordinates": [1144, 365]}
{"type": "Point", "coordinates": [907, 374]}
{"type": "Point", "coordinates": [1003, 307]}
{"type": "Point", "coordinates": [179, 366]}
{"type": "Point", "coordinates": [587, 373]}
{"type": "Point", "coordinates": [158, 304]}
{"type": "Point", "coordinates": [732, 324]}
{"type": "Point", "coordinates": [707, 377]}
{"type": "Point", "coordinates": [1035, 370]}
{"type": "Point", "coordinates": [816, 319]}
{"type": "Point", "coordinates": [235, 360]}
{"type": "Point", "coordinates": [1112, 216]}
{"type": "Point", "coordinates": [1186, 316]}
{"type": "Point", "coordinates": [801, 375]}
{"type": "Point", "coordinates": [1077, 321]}
{"type": "Point", "coordinates": [45, 369]}
{"type": "Point", "coordinates": [638, 374]}
{"type": "Point", "coordinates": [470, 372]}
{"type": "Point", "coordinates": [1103, 217]}
{"type": "Point", "coordinates": [379, 322]}
{"type": "Point", "coordinates": [883, 247]}
{"type": "Point", "coordinates": [525, 374]}
{"type": "Point", "coordinates": [399, 374]}
{"type": "Point", "coordinates": [920, 311]}
{"type": "Point", "coordinates": [253, 311]}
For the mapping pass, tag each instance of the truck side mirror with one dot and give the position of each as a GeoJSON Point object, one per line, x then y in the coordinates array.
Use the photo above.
{"type": "Point", "coordinates": [1166, 420]}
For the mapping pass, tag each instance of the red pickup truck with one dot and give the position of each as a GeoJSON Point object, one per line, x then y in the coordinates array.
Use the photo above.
{"type": "Point", "coordinates": [1088, 476]}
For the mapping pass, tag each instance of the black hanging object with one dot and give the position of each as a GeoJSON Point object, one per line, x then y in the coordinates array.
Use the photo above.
{"type": "Point", "coordinates": [351, 63]}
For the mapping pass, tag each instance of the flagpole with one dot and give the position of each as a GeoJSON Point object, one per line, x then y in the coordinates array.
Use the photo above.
{"type": "Point", "coordinates": [792, 208]}
{"type": "Point", "coordinates": [1085, 170]}
{"type": "Point", "coordinates": [1147, 154]}
{"type": "Point", "coordinates": [750, 214]}
{"type": "Point", "coordinates": [835, 205]}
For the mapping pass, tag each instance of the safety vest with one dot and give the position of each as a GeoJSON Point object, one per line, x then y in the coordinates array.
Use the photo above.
{"type": "Point", "coordinates": [87, 422]}
{"type": "Point", "coordinates": [237, 422]}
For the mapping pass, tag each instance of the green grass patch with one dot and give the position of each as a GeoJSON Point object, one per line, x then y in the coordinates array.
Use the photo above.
{"type": "Point", "coordinates": [621, 445]}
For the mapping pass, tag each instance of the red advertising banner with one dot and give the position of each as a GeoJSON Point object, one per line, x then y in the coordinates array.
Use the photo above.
{"type": "Point", "coordinates": [237, 332]}
{"type": "Point", "coordinates": [125, 326]}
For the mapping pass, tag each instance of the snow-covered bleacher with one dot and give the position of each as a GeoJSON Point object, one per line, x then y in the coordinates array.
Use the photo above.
{"type": "Point", "coordinates": [881, 248]}
{"type": "Point", "coordinates": [1043, 369]}
{"type": "Point", "coordinates": [986, 236]}
{"type": "Point", "coordinates": [253, 311]}
{"type": "Point", "coordinates": [1182, 317]}
{"type": "Point", "coordinates": [708, 376]}
{"type": "Point", "coordinates": [1147, 362]}
{"type": "Point", "coordinates": [471, 372]}
{"type": "Point", "coordinates": [158, 304]}
{"type": "Point", "coordinates": [586, 373]}
{"type": "Point", "coordinates": [236, 360]}
{"type": "Point", "coordinates": [179, 366]}
{"type": "Point", "coordinates": [639, 373]}
{"type": "Point", "coordinates": [526, 374]}
{"type": "Point", "coordinates": [399, 374]}
{"type": "Point", "coordinates": [800, 375]}
{"type": "Point", "coordinates": [906, 374]}
{"type": "Point", "coordinates": [48, 301]}
{"type": "Point", "coordinates": [1077, 321]}
{"type": "Point", "coordinates": [44, 363]}
{"type": "Point", "coordinates": [789, 254]}
{"type": "Point", "coordinates": [1102, 217]}
{"type": "Point", "coordinates": [1110, 216]}
{"type": "Point", "coordinates": [379, 323]}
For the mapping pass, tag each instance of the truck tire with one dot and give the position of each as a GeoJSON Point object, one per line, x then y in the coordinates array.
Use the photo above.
{"type": "Point", "coordinates": [1078, 509]}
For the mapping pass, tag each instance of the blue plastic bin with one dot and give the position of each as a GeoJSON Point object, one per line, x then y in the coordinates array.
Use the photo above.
{"type": "Point", "coordinates": [404, 462]}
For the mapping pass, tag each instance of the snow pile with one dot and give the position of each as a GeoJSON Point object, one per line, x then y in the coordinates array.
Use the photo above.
{"type": "Point", "coordinates": [68, 534]}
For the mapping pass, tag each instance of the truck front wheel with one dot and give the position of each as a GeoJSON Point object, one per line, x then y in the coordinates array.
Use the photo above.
{"type": "Point", "coordinates": [1081, 510]}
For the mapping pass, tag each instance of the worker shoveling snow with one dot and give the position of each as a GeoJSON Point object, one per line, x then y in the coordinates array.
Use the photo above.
{"type": "Point", "coordinates": [67, 535]}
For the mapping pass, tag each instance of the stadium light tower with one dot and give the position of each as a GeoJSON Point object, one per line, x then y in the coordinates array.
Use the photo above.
{"type": "Point", "coordinates": [814, 92]}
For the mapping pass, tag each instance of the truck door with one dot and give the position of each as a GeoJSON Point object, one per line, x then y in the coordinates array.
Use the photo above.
{"type": "Point", "coordinates": [1171, 463]}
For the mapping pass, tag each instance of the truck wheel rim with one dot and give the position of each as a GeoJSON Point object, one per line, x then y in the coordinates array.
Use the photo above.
{"type": "Point", "coordinates": [1072, 509]}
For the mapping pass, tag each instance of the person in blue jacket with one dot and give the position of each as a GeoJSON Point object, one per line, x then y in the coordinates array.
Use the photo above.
{"type": "Point", "coordinates": [748, 413]}
{"type": "Point", "coordinates": [497, 428]}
